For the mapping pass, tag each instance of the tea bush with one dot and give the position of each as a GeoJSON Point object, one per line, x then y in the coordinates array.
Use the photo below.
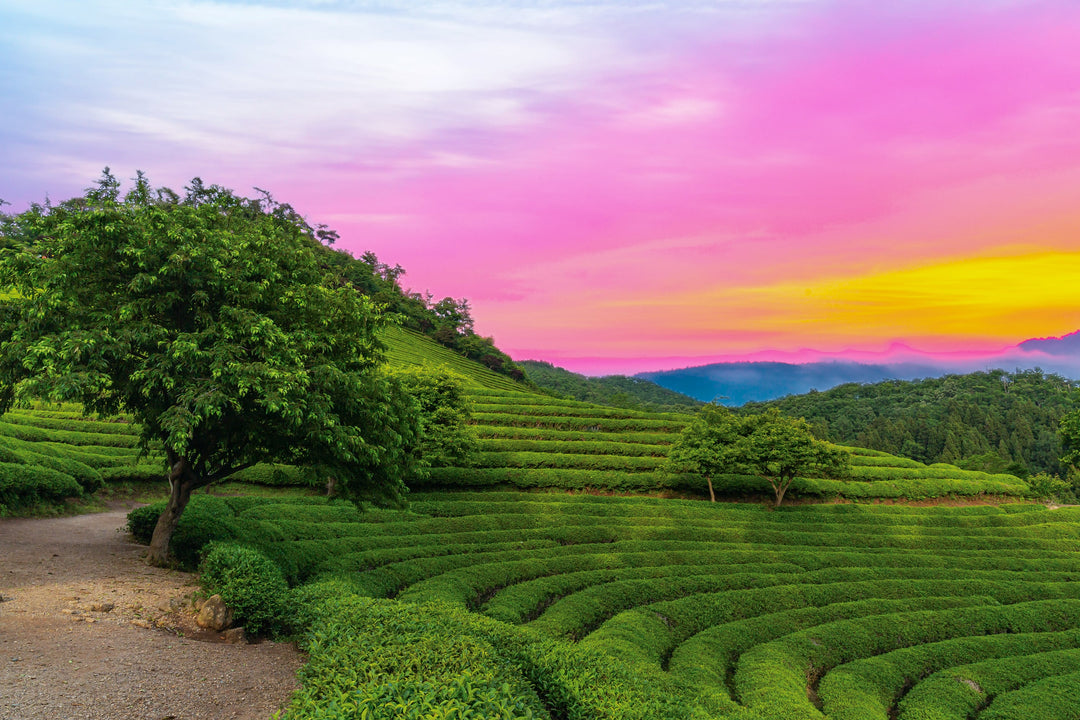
{"type": "Point", "coordinates": [249, 583]}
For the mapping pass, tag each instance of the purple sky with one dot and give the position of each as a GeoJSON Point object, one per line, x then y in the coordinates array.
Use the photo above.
{"type": "Point", "coordinates": [615, 186]}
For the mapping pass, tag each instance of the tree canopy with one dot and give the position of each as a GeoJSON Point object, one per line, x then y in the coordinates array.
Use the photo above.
{"type": "Point", "coordinates": [217, 323]}
{"type": "Point", "coordinates": [994, 421]}
{"type": "Point", "coordinates": [769, 445]}
{"type": "Point", "coordinates": [1070, 439]}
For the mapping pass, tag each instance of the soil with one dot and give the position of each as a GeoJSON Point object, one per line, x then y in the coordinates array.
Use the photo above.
{"type": "Point", "coordinates": [88, 631]}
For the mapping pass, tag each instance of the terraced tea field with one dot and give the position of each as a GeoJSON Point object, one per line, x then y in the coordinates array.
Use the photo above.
{"type": "Point", "coordinates": [526, 440]}
{"type": "Point", "coordinates": [645, 607]}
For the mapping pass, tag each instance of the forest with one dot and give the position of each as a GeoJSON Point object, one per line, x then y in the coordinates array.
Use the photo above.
{"type": "Point", "coordinates": [994, 421]}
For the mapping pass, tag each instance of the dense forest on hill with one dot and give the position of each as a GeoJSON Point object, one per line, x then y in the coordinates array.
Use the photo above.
{"type": "Point", "coordinates": [994, 421]}
{"type": "Point", "coordinates": [613, 390]}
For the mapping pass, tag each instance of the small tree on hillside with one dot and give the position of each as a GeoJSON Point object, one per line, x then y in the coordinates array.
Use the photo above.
{"type": "Point", "coordinates": [446, 437]}
{"type": "Point", "coordinates": [211, 319]}
{"type": "Point", "coordinates": [769, 445]}
{"type": "Point", "coordinates": [703, 447]}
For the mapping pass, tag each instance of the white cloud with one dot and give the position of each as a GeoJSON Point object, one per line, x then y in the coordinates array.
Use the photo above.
{"type": "Point", "coordinates": [227, 77]}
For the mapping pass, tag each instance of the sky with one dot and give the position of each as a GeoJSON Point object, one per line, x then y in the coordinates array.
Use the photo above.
{"type": "Point", "coordinates": [615, 186]}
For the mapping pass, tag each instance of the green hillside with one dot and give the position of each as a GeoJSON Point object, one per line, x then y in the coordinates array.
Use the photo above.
{"type": "Point", "coordinates": [986, 420]}
{"type": "Point", "coordinates": [615, 390]}
{"type": "Point", "coordinates": [526, 440]}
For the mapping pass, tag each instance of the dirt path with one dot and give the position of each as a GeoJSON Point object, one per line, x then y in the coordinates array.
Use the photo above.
{"type": "Point", "coordinates": [87, 631]}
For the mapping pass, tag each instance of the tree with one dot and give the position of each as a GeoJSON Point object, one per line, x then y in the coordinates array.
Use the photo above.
{"type": "Point", "coordinates": [769, 445]}
{"type": "Point", "coordinates": [211, 320]}
{"type": "Point", "coordinates": [704, 446]}
{"type": "Point", "coordinates": [446, 437]}
{"type": "Point", "coordinates": [1070, 439]}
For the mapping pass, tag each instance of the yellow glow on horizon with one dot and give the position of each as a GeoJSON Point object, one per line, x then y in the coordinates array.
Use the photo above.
{"type": "Point", "coordinates": [970, 302]}
{"type": "Point", "coordinates": [1007, 298]}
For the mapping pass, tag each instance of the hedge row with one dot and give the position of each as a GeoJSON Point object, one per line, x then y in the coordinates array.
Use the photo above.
{"type": "Point", "coordinates": [377, 659]}
{"type": "Point", "coordinates": [581, 447]}
{"type": "Point", "coordinates": [36, 419]}
{"type": "Point", "coordinates": [23, 486]}
{"type": "Point", "coordinates": [565, 422]}
{"type": "Point", "coordinates": [567, 479]}
{"type": "Point", "coordinates": [557, 460]}
{"type": "Point", "coordinates": [574, 436]}
{"type": "Point", "coordinates": [681, 609]}
{"type": "Point", "coordinates": [69, 437]}
{"type": "Point", "coordinates": [584, 410]}
{"type": "Point", "coordinates": [961, 691]}
{"type": "Point", "coordinates": [773, 675]}
{"type": "Point", "coordinates": [868, 689]}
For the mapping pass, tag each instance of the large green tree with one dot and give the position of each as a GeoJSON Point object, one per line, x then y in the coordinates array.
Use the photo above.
{"type": "Point", "coordinates": [216, 322]}
{"type": "Point", "coordinates": [769, 445]}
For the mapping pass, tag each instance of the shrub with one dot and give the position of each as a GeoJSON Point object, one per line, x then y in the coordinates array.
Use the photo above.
{"type": "Point", "coordinates": [26, 485]}
{"type": "Point", "coordinates": [1044, 485]}
{"type": "Point", "coordinates": [248, 582]}
{"type": "Point", "coordinates": [206, 518]}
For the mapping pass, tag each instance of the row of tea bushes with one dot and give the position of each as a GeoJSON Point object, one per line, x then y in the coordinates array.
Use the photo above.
{"type": "Point", "coordinates": [717, 610]}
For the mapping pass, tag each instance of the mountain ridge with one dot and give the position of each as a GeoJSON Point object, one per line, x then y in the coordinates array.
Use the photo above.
{"type": "Point", "coordinates": [740, 382]}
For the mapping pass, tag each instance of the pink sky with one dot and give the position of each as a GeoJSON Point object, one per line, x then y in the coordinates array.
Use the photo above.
{"type": "Point", "coordinates": [616, 188]}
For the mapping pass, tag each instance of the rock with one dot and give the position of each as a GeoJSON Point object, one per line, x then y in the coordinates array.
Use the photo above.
{"type": "Point", "coordinates": [234, 636]}
{"type": "Point", "coordinates": [102, 607]}
{"type": "Point", "coordinates": [214, 614]}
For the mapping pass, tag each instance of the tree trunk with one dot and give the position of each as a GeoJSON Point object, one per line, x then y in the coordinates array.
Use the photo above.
{"type": "Point", "coordinates": [712, 495]}
{"type": "Point", "coordinates": [182, 481]}
{"type": "Point", "coordinates": [780, 486]}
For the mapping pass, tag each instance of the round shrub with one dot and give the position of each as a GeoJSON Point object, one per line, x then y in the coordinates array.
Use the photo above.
{"type": "Point", "coordinates": [249, 583]}
{"type": "Point", "coordinates": [141, 521]}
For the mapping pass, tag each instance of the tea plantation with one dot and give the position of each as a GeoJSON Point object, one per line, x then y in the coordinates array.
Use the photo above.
{"type": "Point", "coordinates": [527, 440]}
{"type": "Point", "coordinates": [511, 604]}
{"type": "Point", "coordinates": [499, 594]}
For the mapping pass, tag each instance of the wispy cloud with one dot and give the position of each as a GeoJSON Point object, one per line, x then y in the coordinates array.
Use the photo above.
{"type": "Point", "coordinates": [606, 179]}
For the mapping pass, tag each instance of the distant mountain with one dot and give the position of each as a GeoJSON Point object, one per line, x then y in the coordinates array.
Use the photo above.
{"type": "Point", "coordinates": [1069, 345]}
{"type": "Point", "coordinates": [741, 382]}
{"type": "Point", "coordinates": [615, 390]}
{"type": "Point", "coordinates": [736, 383]}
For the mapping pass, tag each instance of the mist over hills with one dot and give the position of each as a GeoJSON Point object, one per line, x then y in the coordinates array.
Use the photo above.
{"type": "Point", "coordinates": [736, 383]}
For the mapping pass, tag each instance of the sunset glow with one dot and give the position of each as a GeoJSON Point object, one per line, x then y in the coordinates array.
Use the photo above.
{"type": "Point", "coordinates": [614, 186]}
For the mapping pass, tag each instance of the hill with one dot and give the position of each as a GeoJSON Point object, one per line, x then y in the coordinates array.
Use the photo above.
{"type": "Point", "coordinates": [527, 440]}
{"type": "Point", "coordinates": [614, 390]}
{"type": "Point", "coordinates": [737, 383]}
{"type": "Point", "coordinates": [986, 420]}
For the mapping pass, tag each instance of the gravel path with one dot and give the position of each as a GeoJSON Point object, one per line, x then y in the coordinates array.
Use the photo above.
{"type": "Point", "coordinates": [89, 631]}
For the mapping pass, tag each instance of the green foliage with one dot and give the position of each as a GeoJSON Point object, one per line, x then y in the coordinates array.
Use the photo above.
{"type": "Point", "coordinates": [615, 390]}
{"type": "Point", "coordinates": [642, 607]}
{"type": "Point", "coordinates": [249, 583]}
{"type": "Point", "coordinates": [206, 519]}
{"type": "Point", "coordinates": [1052, 698]}
{"type": "Point", "coordinates": [1044, 485]}
{"type": "Point", "coordinates": [378, 659]}
{"type": "Point", "coordinates": [446, 438]}
{"type": "Point", "coordinates": [1070, 439]}
{"type": "Point", "coordinates": [995, 421]}
{"type": "Point", "coordinates": [24, 486]}
{"type": "Point", "coordinates": [214, 322]}
{"type": "Point", "coordinates": [769, 445]}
